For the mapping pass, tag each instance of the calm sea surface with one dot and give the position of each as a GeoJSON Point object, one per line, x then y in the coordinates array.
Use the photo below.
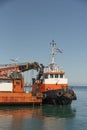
{"type": "Point", "coordinates": [47, 117]}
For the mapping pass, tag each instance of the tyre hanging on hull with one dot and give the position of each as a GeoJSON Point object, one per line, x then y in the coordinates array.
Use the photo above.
{"type": "Point", "coordinates": [58, 97]}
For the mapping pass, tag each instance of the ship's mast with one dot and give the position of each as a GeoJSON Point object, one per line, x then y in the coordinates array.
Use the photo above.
{"type": "Point", "coordinates": [53, 53]}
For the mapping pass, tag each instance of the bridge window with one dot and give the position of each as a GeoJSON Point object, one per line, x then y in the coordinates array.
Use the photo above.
{"type": "Point", "coordinates": [61, 75]}
{"type": "Point", "coordinates": [46, 76]}
{"type": "Point", "coordinates": [56, 75]}
{"type": "Point", "coordinates": [51, 75]}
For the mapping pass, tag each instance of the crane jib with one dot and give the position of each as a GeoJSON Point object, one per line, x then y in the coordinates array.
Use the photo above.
{"type": "Point", "coordinates": [29, 66]}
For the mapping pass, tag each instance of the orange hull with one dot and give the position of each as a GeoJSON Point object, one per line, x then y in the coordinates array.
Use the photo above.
{"type": "Point", "coordinates": [46, 87]}
{"type": "Point", "coordinates": [19, 98]}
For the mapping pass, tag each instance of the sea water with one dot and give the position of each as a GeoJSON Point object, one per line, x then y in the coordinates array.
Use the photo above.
{"type": "Point", "coordinates": [72, 117]}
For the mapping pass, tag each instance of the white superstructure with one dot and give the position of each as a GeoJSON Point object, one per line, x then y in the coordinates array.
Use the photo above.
{"type": "Point", "coordinates": [53, 77]}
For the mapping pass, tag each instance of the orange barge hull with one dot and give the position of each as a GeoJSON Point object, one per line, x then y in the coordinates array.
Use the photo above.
{"type": "Point", "coordinates": [9, 98]}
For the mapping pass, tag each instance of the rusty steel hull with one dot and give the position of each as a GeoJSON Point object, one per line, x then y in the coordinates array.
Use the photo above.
{"type": "Point", "coordinates": [9, 98]}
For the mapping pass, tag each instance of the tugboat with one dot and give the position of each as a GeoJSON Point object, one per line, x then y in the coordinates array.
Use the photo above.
{"type": "Point", "coordinates": [51, 82]}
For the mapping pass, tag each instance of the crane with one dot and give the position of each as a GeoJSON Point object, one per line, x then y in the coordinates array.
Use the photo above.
{"type": "Point", "coordinates": [12, 71]}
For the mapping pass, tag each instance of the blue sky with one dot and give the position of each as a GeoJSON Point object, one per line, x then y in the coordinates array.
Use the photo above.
{"type": "Point", "coordinates": [28, 26]}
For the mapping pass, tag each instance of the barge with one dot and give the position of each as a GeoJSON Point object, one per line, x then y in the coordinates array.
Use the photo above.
{"type": "Point", "coordinates": [12, 85]}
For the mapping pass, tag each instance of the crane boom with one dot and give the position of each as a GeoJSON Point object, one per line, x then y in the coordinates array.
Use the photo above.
{"type": "Point", "coordinates": [5, 72]}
